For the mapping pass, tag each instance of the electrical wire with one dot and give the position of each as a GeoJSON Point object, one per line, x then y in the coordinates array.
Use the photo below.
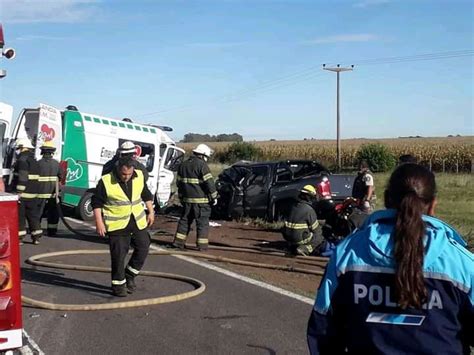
{"type": "Point", "coordinates": [302, 75]}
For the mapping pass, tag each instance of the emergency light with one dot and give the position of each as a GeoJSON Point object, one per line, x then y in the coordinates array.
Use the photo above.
{"type": "Point", "coordinates": [9, 53]}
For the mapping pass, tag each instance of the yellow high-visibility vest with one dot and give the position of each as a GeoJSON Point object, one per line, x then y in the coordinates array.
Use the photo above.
{"type": "Point", "coordinates": [118, 208]}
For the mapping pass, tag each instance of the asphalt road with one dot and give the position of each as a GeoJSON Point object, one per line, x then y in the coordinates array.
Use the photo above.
{"type": "Point", "coordinates": [231, 317]}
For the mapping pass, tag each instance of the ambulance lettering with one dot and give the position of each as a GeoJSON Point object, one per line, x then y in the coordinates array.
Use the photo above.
{"type": "Point", "coordinates": [74, 170]}
{"type": "Point", "coordinates": [381, 295]}
{"type": "Point", "coordinates": [107, 154]}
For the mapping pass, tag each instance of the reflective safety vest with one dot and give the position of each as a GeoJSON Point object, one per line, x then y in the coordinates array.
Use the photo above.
{"type": "Point", "coordinates": [118, 208]}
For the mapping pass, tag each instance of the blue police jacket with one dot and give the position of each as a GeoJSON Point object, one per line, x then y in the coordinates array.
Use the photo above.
{"type": "Point", "coordinates": [356, 309]}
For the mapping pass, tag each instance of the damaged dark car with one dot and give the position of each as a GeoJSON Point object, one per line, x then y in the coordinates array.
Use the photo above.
{"type": "Point", "coordinates": [265, 189]}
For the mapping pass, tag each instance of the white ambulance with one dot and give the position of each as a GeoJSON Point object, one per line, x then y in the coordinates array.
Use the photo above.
{"type": "Point", "coordinates": [85, 142]}
{"type": "Point", "coordinates": [6, 112]}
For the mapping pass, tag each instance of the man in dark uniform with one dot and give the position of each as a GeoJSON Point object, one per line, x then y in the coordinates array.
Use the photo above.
{"type": "Point", "coordinates": [364, 188]}
{"type": "Point", "coordinates": [197, 192]}
{"type": "Point", "coordinates": [127, 149]}
{"type": "Point", "coordinates": [25, 183]}
{"type": "Point", "coordinates": [49, 176]}
{"type": "Point", "coordinates": [301, 230]}
{"type": "Point", "coordinates": [119, 213]}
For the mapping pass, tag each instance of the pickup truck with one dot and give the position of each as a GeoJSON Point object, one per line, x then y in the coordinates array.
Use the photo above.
{"type": "Point", "coordinates": [265, 189]}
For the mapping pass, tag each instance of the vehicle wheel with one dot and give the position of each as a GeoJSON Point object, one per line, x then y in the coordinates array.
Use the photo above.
{"type": "Point", "coordinates": [84, 208]}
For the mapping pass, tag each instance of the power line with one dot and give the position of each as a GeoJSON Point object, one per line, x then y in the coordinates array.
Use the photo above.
{"type": "Point", "coordinates": [307, 73]}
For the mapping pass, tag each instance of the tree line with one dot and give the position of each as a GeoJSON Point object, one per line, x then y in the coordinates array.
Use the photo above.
{"type": "Point", "coordinates": [201, 138]}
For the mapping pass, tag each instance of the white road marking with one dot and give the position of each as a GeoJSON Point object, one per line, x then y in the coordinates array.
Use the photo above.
{"type": "Point", "coordinates": [31, 348]}
{"type": "Point", "coordinates": [241, 277]}
{"type": "Point", "coordinates": [225, 272]}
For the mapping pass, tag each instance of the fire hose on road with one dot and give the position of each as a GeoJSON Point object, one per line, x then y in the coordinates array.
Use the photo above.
{"type": "Point", "coordinates": [199, 286]}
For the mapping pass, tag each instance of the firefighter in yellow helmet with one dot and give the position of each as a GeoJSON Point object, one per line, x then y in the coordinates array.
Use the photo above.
{"type": "Point", "coordinates": [49, 176]}
{"type": "Point", "coordinates": [119, 213]}
{"type": "Point", "coordinates": [301, 230]}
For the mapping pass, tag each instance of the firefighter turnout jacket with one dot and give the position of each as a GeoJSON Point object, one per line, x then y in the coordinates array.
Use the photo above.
{"type": "Point", "coordinates": [195, 182]}
{"type": "Point", "coordinates": [356, 306]}
{"type": "Point", "coordinates": [25, 175]}
{"type": "Point", "coordinates": [301, 224]}
{"type": "Point", "coordinates": [121, 202]}
{"type": "Point", "coordinates": [49, 175]}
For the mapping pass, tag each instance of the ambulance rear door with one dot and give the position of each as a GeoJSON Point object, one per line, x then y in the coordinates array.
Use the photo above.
{"type": "Point", "coordinates": [49, 130]}
{"type": "Point", "coordinates": [171, 157]}
{"type": "Point", "coordinates": [6, 113]}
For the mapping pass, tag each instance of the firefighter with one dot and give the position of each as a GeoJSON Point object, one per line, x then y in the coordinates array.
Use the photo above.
{"type": "Point", "coordinates": [49, 176]}
{"type": "Point", "coordinates": [127, 149]}
{"type": "Point", "coordinates": [25, 183]}
{"type": "Point", "coordinates": [197, 192]}
{"type": "Point", "coordinates": [119, 213]}
{"type": "Point", "coordinates": [364, 188]}
{"type": "Point", "coordinates": [301, 230]}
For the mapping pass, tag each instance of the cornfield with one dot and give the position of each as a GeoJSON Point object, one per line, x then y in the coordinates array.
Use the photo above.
{"type": "Point", "coordinates": [450, 154]}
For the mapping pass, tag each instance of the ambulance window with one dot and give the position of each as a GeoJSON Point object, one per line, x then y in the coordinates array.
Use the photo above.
{"type": "Point", "coordinates": [3, 128]}
{"type": "Point", "coordinates": [147, 157]}
{"type": "Point", "coordinates": [162, 149]}
{"type": "Point", "coordinates": [174, 158]}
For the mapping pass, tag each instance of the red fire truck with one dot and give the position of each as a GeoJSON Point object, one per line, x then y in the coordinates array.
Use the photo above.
{"type": "Point", "coordinates": [10, 277]}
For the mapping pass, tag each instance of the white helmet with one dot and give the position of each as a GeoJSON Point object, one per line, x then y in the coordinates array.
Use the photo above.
{"type": "Point", "coordinates": [127, 147]}
{"type": "Point", "coordinates": [203, 150]}
{"type": "Point", "coordinates": [24, 143]}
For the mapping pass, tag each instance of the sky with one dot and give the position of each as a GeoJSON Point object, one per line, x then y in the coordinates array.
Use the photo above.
{"type": "Point", "coordinates": [253, 67]}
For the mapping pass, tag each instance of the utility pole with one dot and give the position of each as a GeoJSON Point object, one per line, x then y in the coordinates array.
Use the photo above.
{"type": "Point", "coordinates": [338, 69]}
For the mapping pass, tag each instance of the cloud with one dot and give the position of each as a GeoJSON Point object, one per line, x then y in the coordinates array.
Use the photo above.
{"type": "Point", "coordinates": [357, 37]}
{"type": "Point", "coordinates": [217, 44]}
{"type": "Point", "coordinates": [40, 38]}
{"type": "Point", "coordinates": [58, 11]}
{"type": "Point", "coordinates": [367, 3]}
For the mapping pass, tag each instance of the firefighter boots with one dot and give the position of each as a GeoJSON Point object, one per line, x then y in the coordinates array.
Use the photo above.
{"type": "Point", "coordinates": [131, 285]}
{"type": "Point", "coordinates": [119, 290]}
{"type": "Point", "coordinates": [179, 244]}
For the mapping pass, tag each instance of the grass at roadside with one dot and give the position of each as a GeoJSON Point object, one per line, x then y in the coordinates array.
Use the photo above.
{"type": "Point", "coordinates": [455, 201]}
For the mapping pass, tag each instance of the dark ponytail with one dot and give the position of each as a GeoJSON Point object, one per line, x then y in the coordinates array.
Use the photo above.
{"type": "Point", "coordinates": [410, 191]}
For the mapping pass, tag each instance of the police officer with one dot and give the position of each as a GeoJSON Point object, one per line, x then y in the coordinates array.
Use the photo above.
{"type": "Point", "coordinates": [49, 176]}
{"type": "Point", "coordinates": [301, 229]}
{"type": "Point", "coordinates": [25, 183]}
{"type": "Point", "coordinates": [119, 213]}
{"type": "Point", "coordinates": [364, 188]}
{"type": "Point", "coordinates": [127, 149]}
{"type": "Point", "coordinates": [402, 284]}
{"type": "Point", "coordinates": [197, 192]}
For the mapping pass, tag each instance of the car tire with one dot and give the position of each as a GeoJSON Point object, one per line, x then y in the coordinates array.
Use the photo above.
{"type": "Point", "coordinates": [84, 209]}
